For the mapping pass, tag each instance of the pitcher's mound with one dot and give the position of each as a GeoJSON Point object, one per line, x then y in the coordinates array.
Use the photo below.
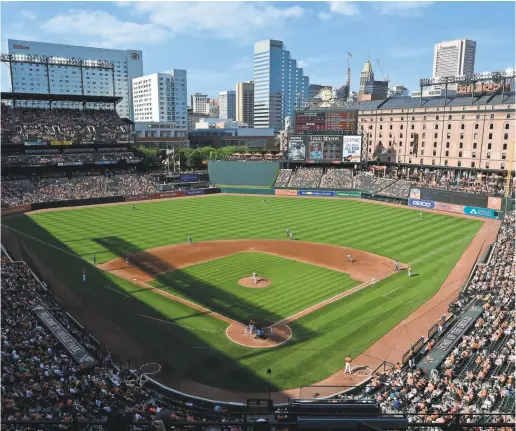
{"type": "Point", "coordinates": [248, 282]}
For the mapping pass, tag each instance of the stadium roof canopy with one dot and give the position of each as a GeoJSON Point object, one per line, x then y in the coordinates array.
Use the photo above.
{"type": "Point", "coordinates": [437, 101]}
{"type": "Point", "coordinates": [60, 97]}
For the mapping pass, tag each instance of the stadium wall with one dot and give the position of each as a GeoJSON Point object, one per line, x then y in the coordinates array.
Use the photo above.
{"type": "Point", "coordinates": [246, 173]}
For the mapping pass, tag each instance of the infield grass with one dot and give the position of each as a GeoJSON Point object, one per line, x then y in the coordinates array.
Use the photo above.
{"type": "Point", "coordinates": [194, 344]}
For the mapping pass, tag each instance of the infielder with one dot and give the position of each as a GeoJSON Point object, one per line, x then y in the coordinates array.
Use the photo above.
{"type": "Point", "coordinates": [288, 231]}
{"type": "Point", "coordinates": [84, 275]}
{"type": "Point", "coordinates": [350, 259]}
{"type": "Point", "coordinates": [189, 240]}
{"type": "Point", "coordinates": [396, 265]}
{"type": "Point", "coordinates": [127, 260]}
{"type": "Point", "coordinates": [94, 259]}
{"type": "Point", "coordinates": [254, 278]}
{"type": "Point", "coordinates": [291, 235]}
{"type": "Point", "coordinates": [347, 369]}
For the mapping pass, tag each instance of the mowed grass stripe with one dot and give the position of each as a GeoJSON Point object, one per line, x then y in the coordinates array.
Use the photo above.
{"type": "Point", "coordinates": [320, 340]}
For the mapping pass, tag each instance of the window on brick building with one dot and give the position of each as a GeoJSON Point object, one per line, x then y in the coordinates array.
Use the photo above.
{"type": "Point", "coordinates": [449, 117]}
{"type": "Point", "coordinates": [461, 144]}
{"type": "Point", "coordinates": [449, 126]}
{"type": "Point", "coordinates": [459, 163]}
{"type": "Point", "coordinates": [447, 153]}
{"type": "Point", "coordinates": [491, 126]}
{"type": "Point", "coordinates": [462, 127]}
{"type": "Point", "coordinates": [460, 153]}
{"type": "Point", "coordinates": [507, 126]}
{"type": "Point", "coordinates": [476, 126]}
{"type": "Point", "coordinates": [489, 146]}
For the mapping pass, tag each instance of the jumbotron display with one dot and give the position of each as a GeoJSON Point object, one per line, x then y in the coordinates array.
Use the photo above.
{"type": "Point", "coordinates": [325, 149]}
{"type": "Point", "coordinates": [329, 122]}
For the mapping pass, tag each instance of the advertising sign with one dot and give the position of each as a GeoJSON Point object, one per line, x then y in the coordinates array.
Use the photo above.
{"type": "Point", "coordinates": [494, 203]}
{"type": "Point", "coordinates": [194, 192]}
{"type": "Point", "coordinates": [296, 149]}
{"type": "Point", "coordinates": [351, 149]}
{"type": "Point", "coordinates": [348, 194]}
{"type": "Point", "coordinates": [35, 143]}
{"type": "Point", "coordinates": [451, 208]}
{"type": "Point", "coordinates": [188, 178]}
{"type": "Point", "coordinates": [324, 149]}
{"type": "Point", "coordinates": [281, 192]}
{"type": "Point", "coordinates": [429, 205]}
{"type": "Point", "coordinates": [79, 353]}
{"type": "Point", "coordinates": [316, 193]}
{"type": "Point", "coordinates": [163, 195]}
{"type": "Point", "coordinates": [445, 345]}
{"type": "Point", "coordinates": [61, 143]}
{"type": "Point", "coordinates": [105, 162]}
{"type": "Point", "coordinates": [140, 197]}
{"type": "Point", "coordinates": [480, 212]}
{"type": "Point", "coordinates": [415, 193]}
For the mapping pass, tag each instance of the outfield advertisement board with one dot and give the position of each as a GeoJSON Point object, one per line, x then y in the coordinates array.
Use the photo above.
{"type": "Point", "coordinates": [79, 353]}
{"type": "Point", "coordinates": [324, 149]}
{"type": "Point", "coordinates": [316, 193]}
{"type": "Point", "coordinates": [296, 149]}
{"type": "Point", "coordinates": [415, 194]}
{"type": "Point", "coordinates": [348, 194]}
{"type": "Point", "coordinates": [451, 208]}
{"type": "Point", "coordinates": [480, 212]}
{"type": "Point", "coordinates": [140, 197]}
{"type": "Point", "coordinates": [418, 203]}
{"type": "Point", "coordinates": [281, 192]}
{"type": "Point", "coordinates": [61, 143]}
{"type": "Point", "coordinates": [163, 195]}
{"type": "Point", "coordinates": [494, 203]}
{"type": "Point", "coordinates": [194, 192]}
{"type": "Point", "coordinates": [189, 178]}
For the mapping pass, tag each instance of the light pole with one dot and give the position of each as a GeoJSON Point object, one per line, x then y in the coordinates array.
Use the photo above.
{"type": "Point", "coordinates": [269, 372]}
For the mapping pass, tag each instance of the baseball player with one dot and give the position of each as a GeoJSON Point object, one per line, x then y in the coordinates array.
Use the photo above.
{"type": "Point", "coordinates": [189, 240]}
{"type": "Point", "coordinates": [291, 235]}
{"type": "Point", "coordinates": [350, 259]}
{"type": "Point", "coordinates": [410, 271]}
{"type": "Point", "coordinates": [134, 207]}
{"type": "Point", "coordinates": [254, 278]}
{"type": "Point", "coordinates": [421, 215]}
{"type": "Point", "coordinates": [265, 201]}
{"type": "Point", "coordinates": [396, 265]}
{"type": "Point", "coordinates": [347, 369]}
{"type": "Point", "coordinates": [127, 260]}
{"type": "Point", "coordinates": [288, 231]}
{"type": "Point", "coordinates": [84, 275]}
{"type": "Point", "coordinates": [252, 327]}
{"type": "Point", "coordinates": [94, 259]}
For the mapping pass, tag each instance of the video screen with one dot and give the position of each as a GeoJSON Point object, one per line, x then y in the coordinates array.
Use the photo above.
{"type": "Point", "coordinates": [324, 149]}
{"type": "Point", "coordinates": [296, 149]}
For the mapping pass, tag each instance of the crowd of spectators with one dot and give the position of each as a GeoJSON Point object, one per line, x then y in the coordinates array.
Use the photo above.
{"type": "Point", "coordinates": [76, 125]}
{"type": "Point", "coordinates": [283, 178]}
{"type": "Point", "coordinates": [22, 192]}
{"type": "Point", "coordinates": [337, 178]}
{"type": "Point", "coordinates": [306, 178]}
{"type": "Point", "coordinates": [58, 159]}
{"type": "Point", "coordinates": [398, 189]}
{"type": "Point", "coordinates": [491, 187]}
{"type": "Point", "coordinates": [477, 377]}
{"type": "Point", "coordinates": [42, 381]}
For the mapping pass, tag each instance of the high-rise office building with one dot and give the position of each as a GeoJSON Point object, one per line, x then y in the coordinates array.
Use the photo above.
{"type": "Point", "coordinates": [161, 97]}
{"type": "Point", "coordinates": [245, 102]}
{"type": "Point", "coordinates": [367, 75]}
{"type": "Point", "coordinates": [213, 108]}
{"type": "Point", "coordinates": [199, 103]}
{"type": "Point", "coordinates": [314, 89]}
{"type": "Point", "coordinates": [227, 105]}
{"type": "Point", "coordinates": [279, 85]}
{"type": "Point", "coordinates": [454, 58]}
{"type": "Point", "coordinates": [63, 75]}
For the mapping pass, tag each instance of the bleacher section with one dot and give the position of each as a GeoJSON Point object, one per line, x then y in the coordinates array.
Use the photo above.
{"type": "Point", "coordinates": [306, 178]}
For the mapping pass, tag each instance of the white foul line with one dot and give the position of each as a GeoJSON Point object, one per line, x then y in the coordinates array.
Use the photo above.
{"type": "Point", "coordinates": [117, 291]}
{"type": "Point", "coordinates": [392, 291]}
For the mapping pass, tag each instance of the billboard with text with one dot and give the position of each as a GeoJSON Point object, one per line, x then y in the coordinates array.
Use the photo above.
{"type": "Point", "coordinates": [418, 203]}
{"type": "Point", "coordinates": [296, 149]}
{"type": "Point", "coordinates": [324, 149]}
{"type": "Point", "coordinates": [351, 149]}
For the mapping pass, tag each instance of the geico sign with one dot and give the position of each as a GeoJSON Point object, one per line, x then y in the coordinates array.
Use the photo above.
{"type": "Point", "coordinates": [421, 204]}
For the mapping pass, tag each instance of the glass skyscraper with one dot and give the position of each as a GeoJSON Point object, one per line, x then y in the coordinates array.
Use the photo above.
{"type": "Point", "coordinates": [279, 85]}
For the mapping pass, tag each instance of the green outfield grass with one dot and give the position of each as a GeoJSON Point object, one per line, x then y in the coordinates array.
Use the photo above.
{"type": "Point", "coordinates": [194, 344]}
{"type": "Point", "coordinates": [295, 286]}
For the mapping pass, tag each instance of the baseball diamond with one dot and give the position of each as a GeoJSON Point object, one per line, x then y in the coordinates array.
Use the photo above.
{"type": "Point", "coordinates": [185, 306]}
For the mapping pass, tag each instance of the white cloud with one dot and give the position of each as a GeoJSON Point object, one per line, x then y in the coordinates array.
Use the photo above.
{"type": "Point", "coordinates": [402, 8]}
{"type": "Point", "coordinates": [28, 14]}
{"type": "Point", "coordinates": [242, 21]}
{"type": "Point", "coordinates": [103, 29]}
{"type": "Point", "coordinates": [403, 52]}
{"type": "Point", "coordinates": [302, 63]}
{"type": "Point", "coordinates": [346, 8]}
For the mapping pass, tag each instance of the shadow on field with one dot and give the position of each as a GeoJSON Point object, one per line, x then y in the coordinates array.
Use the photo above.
{"type": "Point", "coordinates": [115, 321]}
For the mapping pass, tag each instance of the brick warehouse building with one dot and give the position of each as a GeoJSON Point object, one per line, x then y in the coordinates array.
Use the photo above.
{"type": "Point", "coordinates": [457, 131]}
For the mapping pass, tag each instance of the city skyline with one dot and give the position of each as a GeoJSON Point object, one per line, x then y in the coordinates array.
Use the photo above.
{"type": "Point", "coordinates": [224, 55]}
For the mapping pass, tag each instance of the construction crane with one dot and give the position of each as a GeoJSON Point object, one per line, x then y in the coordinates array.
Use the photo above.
{"type": "Point", "coordinates": [385, 78]}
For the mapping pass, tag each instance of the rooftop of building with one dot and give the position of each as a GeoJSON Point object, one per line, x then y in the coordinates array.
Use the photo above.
{"type": "Point", "coordinates": [404, 102]}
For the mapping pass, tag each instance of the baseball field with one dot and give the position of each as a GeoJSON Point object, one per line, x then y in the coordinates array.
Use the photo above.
{"type": "Point", "coordinates": [183, 305]}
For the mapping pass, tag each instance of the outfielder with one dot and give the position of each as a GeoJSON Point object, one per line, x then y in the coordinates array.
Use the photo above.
{"type": "Point", "coordinates": [254, 278]}
{"type": "Point", "coordinates": [421, 215]}
{"type": "Point", "coordinates": [410, 272]}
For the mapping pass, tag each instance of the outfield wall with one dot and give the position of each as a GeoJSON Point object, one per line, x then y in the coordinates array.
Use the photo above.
{"type": "Point", "coordinates": [248, 173]}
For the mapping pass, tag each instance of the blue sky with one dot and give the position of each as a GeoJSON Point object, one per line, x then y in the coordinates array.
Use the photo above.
{"type": "Point", "coordinates": [213, 41]}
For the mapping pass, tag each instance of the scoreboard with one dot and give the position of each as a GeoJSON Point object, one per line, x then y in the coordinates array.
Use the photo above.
{"type": "Point", "coordinates": [329, 122]}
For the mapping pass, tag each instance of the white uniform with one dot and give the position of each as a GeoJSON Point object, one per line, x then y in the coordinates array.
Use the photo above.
{"type": "Point", "coordinates": [254, 278]}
